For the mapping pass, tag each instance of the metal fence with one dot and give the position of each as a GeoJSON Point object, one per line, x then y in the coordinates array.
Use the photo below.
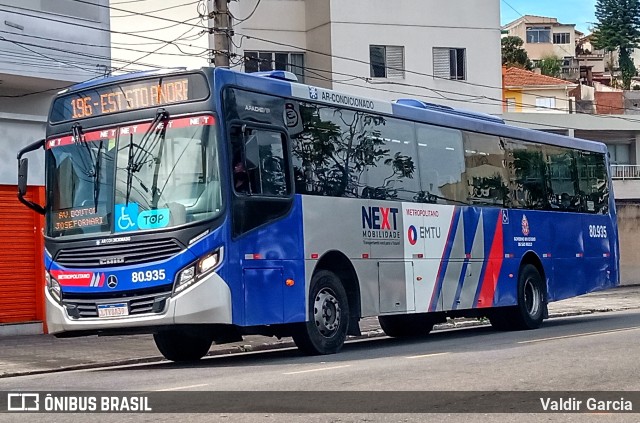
{"type": "Point", "coordinates": [625, 172]}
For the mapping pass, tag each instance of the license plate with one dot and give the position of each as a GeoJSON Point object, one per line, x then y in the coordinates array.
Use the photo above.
{"type": "Point", "coordinates": [113, 310]}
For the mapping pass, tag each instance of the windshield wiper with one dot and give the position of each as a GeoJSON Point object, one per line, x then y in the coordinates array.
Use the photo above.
{"type": "Point", "coordinates": [134, 163]}
{"type": "Point", "coordinates": [96, 180]}
{"type": "Point", "coordinates": [91, 169]}
{"type": "Point", "coordinates": [77, 135]}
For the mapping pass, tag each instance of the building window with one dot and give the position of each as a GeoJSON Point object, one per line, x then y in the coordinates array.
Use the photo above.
{"type": "Point", "coordinates": [619, 153]}
{"type": "Point", "coordinates": [510, 103]}
{"type": "Point", "coordinates": [562, 38]}
{"type": "Point", "coordinates": [255, 61]}
{"type": "Point", "coordinates": [449, 63]}
{"type": "Point", "coordinates": [545, 103]}
{"type": "Point", "coordinates": [386, 61]}
{"type": "Point", "coordinates": [539, 34]}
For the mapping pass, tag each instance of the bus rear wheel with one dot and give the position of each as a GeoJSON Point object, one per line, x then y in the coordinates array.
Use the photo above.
{"type": "Point", "coordinates": [176, 345]}
{"type": "Point", "coordinates": [530, 311]}
{"type": "Point", "coordinates": [406, 325]}
{"type": "Point", "coordinates": [328, 321]}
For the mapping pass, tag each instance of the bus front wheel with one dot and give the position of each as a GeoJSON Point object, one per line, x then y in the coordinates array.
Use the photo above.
{"type": "Point", "coordinates": [176, 345]}
{"type": "Point", "coordinates": [328, 321]}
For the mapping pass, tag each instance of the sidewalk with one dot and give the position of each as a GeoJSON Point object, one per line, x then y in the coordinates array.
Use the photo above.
{"type": "Point", "coordinates": [31, 354]}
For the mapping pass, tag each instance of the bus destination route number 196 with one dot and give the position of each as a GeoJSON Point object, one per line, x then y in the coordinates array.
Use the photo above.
{"type": "Point", "coordinates": [138, 96]}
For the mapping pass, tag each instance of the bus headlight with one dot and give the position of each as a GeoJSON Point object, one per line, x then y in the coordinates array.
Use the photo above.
{"type": "Point", "coordinates": [53, 286]}
{"type": "Point", "coordinates": [208, 263]}
{"type": "Point", "coordinates": [185, 278]}
{"type": "Point", "coordinates": [195, 271]}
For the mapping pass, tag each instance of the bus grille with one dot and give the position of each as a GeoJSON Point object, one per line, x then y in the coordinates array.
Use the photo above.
{"type": "Point", "coordinates": [85, 306]}
{"type": "Point", "coordinates": [118, 255]}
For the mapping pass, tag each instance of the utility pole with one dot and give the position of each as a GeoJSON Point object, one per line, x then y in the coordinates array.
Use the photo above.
{"type": "Point", "coordinates": [219, 32]}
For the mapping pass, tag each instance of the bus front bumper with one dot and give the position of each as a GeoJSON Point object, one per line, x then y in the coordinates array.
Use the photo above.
{"type": "Point", "coordinates": [206, 302]}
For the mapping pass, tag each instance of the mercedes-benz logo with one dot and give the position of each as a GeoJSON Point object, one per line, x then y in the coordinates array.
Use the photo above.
{"type": "Point", "coordinates": [112, 281]}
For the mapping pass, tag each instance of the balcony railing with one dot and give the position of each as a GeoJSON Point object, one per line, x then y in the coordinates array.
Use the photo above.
{"type": "Point", "coordinates": [625, 172]}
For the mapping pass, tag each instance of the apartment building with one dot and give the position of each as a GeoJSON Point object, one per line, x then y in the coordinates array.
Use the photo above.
{"type": "Point", "coordinates": [450, 55]}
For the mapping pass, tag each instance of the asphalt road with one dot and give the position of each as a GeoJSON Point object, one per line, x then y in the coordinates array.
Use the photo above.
{"type": "Point", "coordinates": [590, 353]}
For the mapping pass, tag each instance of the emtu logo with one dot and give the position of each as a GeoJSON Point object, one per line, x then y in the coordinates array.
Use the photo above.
{"type": "Point", "coordinates": [379, 218]}
{"type": "Point", "coordinates": [412, 233]}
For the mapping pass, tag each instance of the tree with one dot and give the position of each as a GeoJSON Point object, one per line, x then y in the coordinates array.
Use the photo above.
{"type": "Point", "coordinates": [513, 54]}
{"type": "Point", "coordinates": [337, 147]}
{"type": "Point", "coordinates": [618, 28]}
{"type": "Point", "coordinates": [550, 66]}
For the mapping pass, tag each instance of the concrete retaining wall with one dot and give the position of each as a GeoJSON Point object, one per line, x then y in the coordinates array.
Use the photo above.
{"type": "Point", "coordinates": [629, 233]}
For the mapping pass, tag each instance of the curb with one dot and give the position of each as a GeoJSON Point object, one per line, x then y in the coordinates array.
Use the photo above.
{"type": "Point", "coordinates": [374, 333]}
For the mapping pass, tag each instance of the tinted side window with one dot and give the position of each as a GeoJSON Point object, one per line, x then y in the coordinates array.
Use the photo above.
{"type": "Point", "coordinates": [441, 158]}
{"type": "Point", "coordinates": [394, 176]}
{"type": "Point", "coordinates": [562, 173]}
{"type": "Point", "coordinates": [485, 169]}
{"type": "Point", "coordinates": [259, 167]}
{"type": "Point", "coordinates": [333, 150]}
{"type": "Point", "coordinates": [266, 162]}
{"type": "Point", "coordinates": [260, 177]}
{"type": "Point", "coordinates": [593, 182]}
{"type": "Point", "coordinates": [527, 175]}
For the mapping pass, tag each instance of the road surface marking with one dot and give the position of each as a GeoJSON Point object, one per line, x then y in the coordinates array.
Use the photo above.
{"type": "Point", "coordinates": [576, 335]}
{"type": "Point", "coordinates": [180, 387]}
{"type": "Point", "coordinates": [428, 355]}
{"type": "Point", "coordinates": [317, 370]}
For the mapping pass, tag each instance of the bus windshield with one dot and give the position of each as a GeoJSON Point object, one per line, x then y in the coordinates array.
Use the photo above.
{"type": "Point", "coordinates": [132, 178]}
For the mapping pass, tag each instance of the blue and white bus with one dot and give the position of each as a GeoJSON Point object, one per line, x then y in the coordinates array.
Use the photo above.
{"type": "Point", "coordinates": [202, 206]}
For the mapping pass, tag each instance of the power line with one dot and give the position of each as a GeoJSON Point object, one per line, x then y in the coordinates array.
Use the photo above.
{"type": "Point", "coordinates": [155, 11]}
{"type": "Point", "coordinates": [45, 56]}
{"type": "Point", "coordinates": [92, 3]}
{"type": "Point", "coordinates": [75, 53]}
{"type": "Point", "coordinates": [473, 99]}
{"type": "Point", "coordinates": [238, 21]}
{"type": "Point", "coordinates": [160, 29]}
{"type": "Point", "coordinates": [80, 25]}
{"type": "Point", "coordinates": [363, 61]}
{"type": "Point", "coordinates": [154, 51]}
{"type": "Point", "coordinates": [368, 80]}
{"type": "Point", "coordinates": [88, 45]}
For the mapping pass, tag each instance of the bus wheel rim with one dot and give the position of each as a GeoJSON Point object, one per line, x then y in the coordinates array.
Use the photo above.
{"type": "Point", "coordinates": [531, 297]}
{"type": "Point", "coordinates": [326, 312]}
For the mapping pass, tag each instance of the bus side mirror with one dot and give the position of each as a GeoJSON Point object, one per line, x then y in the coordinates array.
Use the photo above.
{"type": "Point", "coordinates": [23, 171]}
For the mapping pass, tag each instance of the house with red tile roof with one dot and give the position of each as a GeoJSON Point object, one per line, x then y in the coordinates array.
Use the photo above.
{"type": "Point", "coordinates": [531, 92]}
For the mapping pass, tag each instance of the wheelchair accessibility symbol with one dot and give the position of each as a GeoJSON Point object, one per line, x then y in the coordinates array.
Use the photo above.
{"type": "Point", "coordinates": [505, 217]}
{"type": "Point", "coordinates": [126, 217]}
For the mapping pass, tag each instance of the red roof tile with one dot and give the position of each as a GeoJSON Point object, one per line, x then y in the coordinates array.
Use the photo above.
{"type": "Point", "coordinates": [516, 77]}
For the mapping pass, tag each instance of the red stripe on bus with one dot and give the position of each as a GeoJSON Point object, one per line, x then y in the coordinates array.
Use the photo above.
{"type": "Point", "coordinates": [492, 272]}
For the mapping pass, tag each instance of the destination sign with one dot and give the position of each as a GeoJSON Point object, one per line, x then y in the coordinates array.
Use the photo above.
{"type": "Point", "coordinates": [128, 96]}
{"type": "Point", "coordinates": [67, 219]}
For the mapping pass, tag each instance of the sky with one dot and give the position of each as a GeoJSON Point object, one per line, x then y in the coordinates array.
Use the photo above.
{"type": "Point", "coordinates": [579, 12]}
